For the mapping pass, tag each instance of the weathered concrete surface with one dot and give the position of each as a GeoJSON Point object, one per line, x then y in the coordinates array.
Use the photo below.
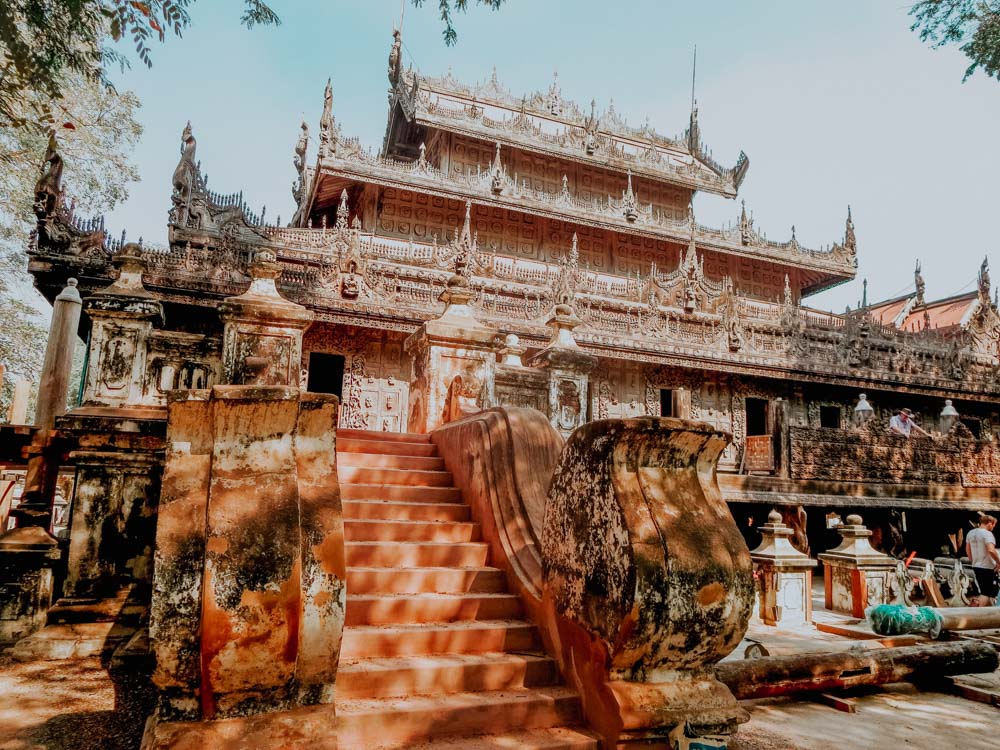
{"type": "Point", "coordinates": [249, 594]}
{"type": "Point", "coordinates": [119, 459]}
{"type": "Point", "coordinates": [26, 558]}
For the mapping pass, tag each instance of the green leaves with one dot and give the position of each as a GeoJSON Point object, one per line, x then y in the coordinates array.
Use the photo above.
{"type": "Point", "coordinates": [44, 41]}
{"type": "Point", "coordinates": [445, 9]}
{"type": "Point", "coordinates": [974, 24]}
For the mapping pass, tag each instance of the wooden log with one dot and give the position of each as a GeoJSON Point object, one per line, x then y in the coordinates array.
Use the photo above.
{"type": "Point", "coordinates": [784, 675]}
{"type": "Point", "coordinates": [969, 618]}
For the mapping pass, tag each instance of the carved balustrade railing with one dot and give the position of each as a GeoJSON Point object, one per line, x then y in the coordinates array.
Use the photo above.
{"type": "Point", "coordinates": [875, 455]}
{"type": "Point", "coordinates": [630, 213]}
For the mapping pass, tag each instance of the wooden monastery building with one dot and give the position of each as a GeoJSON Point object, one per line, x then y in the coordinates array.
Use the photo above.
{"type": "Point", "coordinates": [534, 219]}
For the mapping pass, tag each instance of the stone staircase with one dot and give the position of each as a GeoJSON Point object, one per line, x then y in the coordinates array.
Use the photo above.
{"type": "Point", "coordinates": [436, 653]}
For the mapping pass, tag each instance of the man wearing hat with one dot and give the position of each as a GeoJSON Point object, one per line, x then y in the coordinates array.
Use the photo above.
{"type": "Point", "coordinates": [903, 424]}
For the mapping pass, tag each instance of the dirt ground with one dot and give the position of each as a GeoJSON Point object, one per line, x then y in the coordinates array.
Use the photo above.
{"type": "Point", "coordinates": [71, 705]}
{"type": "Point", "coordinates": [894, 716]}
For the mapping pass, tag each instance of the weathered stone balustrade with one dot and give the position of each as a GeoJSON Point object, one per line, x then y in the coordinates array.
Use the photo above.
{"type": "Point", "coordinates": [250, 581]}
{"type": "Point", "coordinates": [629, 561]}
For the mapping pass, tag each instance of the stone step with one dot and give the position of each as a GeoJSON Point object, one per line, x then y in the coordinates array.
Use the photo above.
{"type": "Point", "coordinates": [390, 437]}
{"type": "Point", "coordinates": [409, 531]}
{"type": "Point", "coordinates": [389, 609]}
{"type": "Point", "coordinates": [416, 554]}
{"type": "Point", "coordinates": [481, 580]}
{"type": "Point", "coordinates": [389, 723]}
{"type": "Point", "coordinates": [355, 491]}
{"type": "Point", "coordinates": [405, 477]}
{"type": "Point", "coordinates": [393, 510]}
{"type": "Point", "coordinates": [470, 637]}
{"type": "Point", "coordinates": [442, 673]}
{"type": "Point", "coordinates": [551, 738]}
{"type": "Point", "coordinates": [72, 641]}
{"type": "Point", "coordinates": [389, 461]}
{"type": "Point", "coordinates": [393, 447]}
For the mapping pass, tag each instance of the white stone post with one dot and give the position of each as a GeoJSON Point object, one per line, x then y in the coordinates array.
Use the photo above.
{"type": "Point", "coordinates": [54, 385]}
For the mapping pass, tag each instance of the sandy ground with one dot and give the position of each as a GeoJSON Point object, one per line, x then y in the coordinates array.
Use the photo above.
{"type": "Point", "coordinates": [69, 705]}
{"type": "Point", "coordinates": [890, 718]}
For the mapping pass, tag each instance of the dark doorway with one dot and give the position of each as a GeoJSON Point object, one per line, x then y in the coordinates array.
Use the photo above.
{"type": "Point", "coordinates": [666, 402]}
{"type": "Point", "coordinates": [829, 416]}
{"type": "Point", "coordinates": [756, 416]}
{"type": "Point", "coordinates": [326, 373]}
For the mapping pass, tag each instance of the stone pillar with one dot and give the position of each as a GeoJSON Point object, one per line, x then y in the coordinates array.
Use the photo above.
{"type": "Point", "coordinates": [784, 576]}
{"type": "Point", "coordinates": [123, 315]}
{"type": "Point", "coordinates": [454, 354]}
{"type": "Point", "coordinates": [18, 413]}
{"type": "Point", "coordinates": [53, 387]}
{"type": "Point", "coordinates": [568, 368]}
{"type": "Point", "coordinates": [250, 583]}
{"type": "Point", "coordinates": [43, 461]}
{"type": "Point", "coordinates": [856, 576]}
{"type": "Point", "coordinates": [262, 339]}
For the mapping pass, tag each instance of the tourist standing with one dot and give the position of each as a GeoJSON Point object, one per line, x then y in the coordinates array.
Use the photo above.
{"type": "Point", "coordinates": [981, 549]}
{"type": "Point", "coordinates": [903, 424]}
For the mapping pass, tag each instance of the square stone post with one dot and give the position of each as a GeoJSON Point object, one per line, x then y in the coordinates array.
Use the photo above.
{"type": "Point", "coordinates": [856, 575]}
{"type": "Point", "coordinates": [784, 576]}
{"type": "Point", "coordinates": [569, 369]}
{"type": "Point", "coordinates": [262, 338]}
{"type": "Point", "coordinates": [454, 362]}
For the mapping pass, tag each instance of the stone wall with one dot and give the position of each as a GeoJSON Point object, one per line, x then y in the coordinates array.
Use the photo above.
{"type": "Point", "coordinates": [878, 456]}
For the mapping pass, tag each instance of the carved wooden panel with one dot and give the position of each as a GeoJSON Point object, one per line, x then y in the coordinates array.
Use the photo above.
{"type": "Point", "coordinates": [715, 406]}
{"type": "Point", "coordinates": [376, 385]}
{"type": "Point", "coordinates": [618, 391]}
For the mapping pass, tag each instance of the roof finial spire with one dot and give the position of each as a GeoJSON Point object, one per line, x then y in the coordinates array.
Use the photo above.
{"type": "Point", "coordinates": [694, 70]}
{"type": "Point", "coordinates": [864, 292]}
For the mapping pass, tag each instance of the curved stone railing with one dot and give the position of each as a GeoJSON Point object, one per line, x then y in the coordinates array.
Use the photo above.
{"type": "Point", "coordinates": [630, 563]}
{"type": "Point", "coordinates": [503, 460]}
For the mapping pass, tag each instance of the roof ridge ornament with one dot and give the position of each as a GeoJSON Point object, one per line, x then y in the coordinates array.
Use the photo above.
{"type": "Point", "coordinates": [327, 124]}
{"type": "Point", "coordinates": [554, 98]}
{"type": "Point", "coordinates": [850, 240]}
{"type": "Point", "coordinates": [918, 281]}
{"type": "Point", "coordinates": [983, 281]}
{"type": "Point", "coordinates": [395, 57]}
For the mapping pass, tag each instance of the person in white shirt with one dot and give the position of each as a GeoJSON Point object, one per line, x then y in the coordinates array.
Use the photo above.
{"type": "Point", "coordinates": [981, 549]}
{"type": "Point", "coordinates": [903, 424]}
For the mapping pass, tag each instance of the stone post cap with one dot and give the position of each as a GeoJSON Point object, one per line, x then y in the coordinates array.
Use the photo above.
{"type": "Point", "coordinates": [512, 350]}
{"type": "Point", "coordinates": [70, 293]}
{"type": "Point", "coordinates": [775, 548]}
{"type": "Point", "coordinates": [855, 551]}
{"type": "Point", "coordinates": [457, 291]}
{"type": "Point", "coordinates": [29, 540]}
{"type": "Point", "coordinates": [949, 410]}
{"type": "Point", "coordinates": [563, 321]}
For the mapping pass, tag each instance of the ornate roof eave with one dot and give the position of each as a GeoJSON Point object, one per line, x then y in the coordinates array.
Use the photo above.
{"type": "Point", "coordinates": [682, 177]}
{"type": "Point", "coordinates": [371, 171]}
{"type": "Point", "coordinates": [568, 115]}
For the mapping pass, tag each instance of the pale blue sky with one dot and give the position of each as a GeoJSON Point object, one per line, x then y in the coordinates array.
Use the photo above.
{"type": "Point", "coordinates": [835, 103]}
